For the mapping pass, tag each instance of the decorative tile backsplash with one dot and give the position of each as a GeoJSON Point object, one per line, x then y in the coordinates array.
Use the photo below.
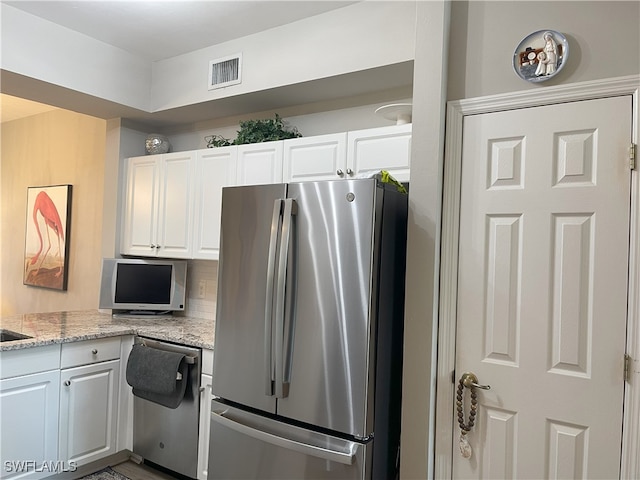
{"type": "Point", "coordinates": [202, 278]}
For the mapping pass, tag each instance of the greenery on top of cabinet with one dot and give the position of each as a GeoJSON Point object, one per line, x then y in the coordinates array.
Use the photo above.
{"type": "Point", "coordinates": [256, 131]}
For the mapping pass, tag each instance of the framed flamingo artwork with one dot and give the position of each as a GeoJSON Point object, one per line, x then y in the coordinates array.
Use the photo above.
{"type": "Point", "coordinates": [46, 250]}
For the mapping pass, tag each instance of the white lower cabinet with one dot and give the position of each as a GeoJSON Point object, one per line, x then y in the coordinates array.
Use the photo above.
{"type": "Point", "coordinates": [62, 406]}
{"type": "Point", "coordinates": [89, 388]}
{"type": "Point", "coordinates": [59, 407]}
{"type": "Point", "coordinates": [206, 381]}
{"type": "Point", "coordinates": [88, 411]}
{"type": "Point", "coordinates": [29, 425]}
{"type": "Point", "coordinates": [205, 426]}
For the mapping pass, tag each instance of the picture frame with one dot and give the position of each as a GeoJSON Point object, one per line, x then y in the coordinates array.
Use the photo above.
{"type": "Point", "coordinates": [47, 228]}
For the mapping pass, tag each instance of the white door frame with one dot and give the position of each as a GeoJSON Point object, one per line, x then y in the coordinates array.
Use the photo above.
{"type": "Point", "coordinates": [445, 384]}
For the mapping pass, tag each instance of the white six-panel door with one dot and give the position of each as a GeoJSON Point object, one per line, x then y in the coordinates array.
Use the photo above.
{"type": "Point", "coordinates": [542, 289]}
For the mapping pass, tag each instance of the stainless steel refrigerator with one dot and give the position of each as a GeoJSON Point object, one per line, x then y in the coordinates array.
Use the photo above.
{"type": "Point", "coordinates": [308, 340]}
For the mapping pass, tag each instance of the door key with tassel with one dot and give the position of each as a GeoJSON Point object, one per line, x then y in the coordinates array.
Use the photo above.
{"type": "Point", "coordinates": [468, 381]}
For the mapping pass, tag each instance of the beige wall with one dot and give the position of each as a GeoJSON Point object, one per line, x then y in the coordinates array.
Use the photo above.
{"type": "Point", "coordinates": [478, 49]}
{"type": "Point", "coordinates": [58, 147]}
{"type": "Point", "coordinates": [603, 39]}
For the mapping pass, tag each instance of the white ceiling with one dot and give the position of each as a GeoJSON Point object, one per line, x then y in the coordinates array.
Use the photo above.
{"type": "Point", "coordinates": [155, 30]}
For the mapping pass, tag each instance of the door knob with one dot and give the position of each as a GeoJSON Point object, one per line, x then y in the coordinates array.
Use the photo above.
{"type": "Point", "coordinates": [469, 380]}
{"type": "Point", "coordinates": [340, 172]}
{"type": "Point", "coordinates": [349, 171]}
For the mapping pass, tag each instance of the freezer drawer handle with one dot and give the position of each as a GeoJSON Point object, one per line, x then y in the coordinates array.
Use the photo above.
{"type": "Point", "coordinates": [300, 447]}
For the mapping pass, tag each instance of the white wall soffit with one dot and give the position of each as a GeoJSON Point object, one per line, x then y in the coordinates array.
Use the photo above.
{"type": "Point", "coordinates": [39, 49]}
{"type": "Point", "coordinates": [355, 50]}
{"type": "Point", "coordinates": [356, 38]}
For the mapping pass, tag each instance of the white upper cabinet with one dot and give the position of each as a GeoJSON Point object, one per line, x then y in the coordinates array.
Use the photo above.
{"type": "Point", "coordinates": [323, 157]}
{"type": "Point", "coordinates": [215, 169]}
{"type": "Point", "coordinates": [259, 163]}
{"type": "Point", "coordinates": [176, 205]}
{"type": "Point", "coordinates": [346, 155]}
{"type": "Point", "coordinates": [158, 212]}
{"type": "Point", "coordinates": [173, 201]}
{"type": "Point", "coordinates": [384, 148]}
{"type": "Point", "coordinates": [141, 206]}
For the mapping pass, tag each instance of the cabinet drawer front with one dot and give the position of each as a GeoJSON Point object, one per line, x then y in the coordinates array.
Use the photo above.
{"type": "Point", "coordinates": [26, 361]}
{"type": "Point", "coordinates": [89, 351]}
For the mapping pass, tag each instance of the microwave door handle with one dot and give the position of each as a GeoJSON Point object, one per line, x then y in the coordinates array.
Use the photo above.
{"type": "Point", "coordinates": [282, 384]}
{"type": "Point", "coordinates": [345, 457]}
{"type": "Point", "coordinates": [269, 360]}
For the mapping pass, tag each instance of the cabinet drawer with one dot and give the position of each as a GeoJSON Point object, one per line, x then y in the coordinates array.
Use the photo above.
{"type": "Point", "coordinates": [89, 351]}
{"type": "Point", "coordinates": [26, 361]}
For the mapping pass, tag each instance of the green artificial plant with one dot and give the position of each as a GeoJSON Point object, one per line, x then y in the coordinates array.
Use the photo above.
{"type": "Point", "coordinates": [256, 131]}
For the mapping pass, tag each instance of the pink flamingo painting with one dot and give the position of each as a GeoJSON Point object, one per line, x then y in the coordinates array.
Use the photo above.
{"type": "Point", "coordinates": [46, 208]}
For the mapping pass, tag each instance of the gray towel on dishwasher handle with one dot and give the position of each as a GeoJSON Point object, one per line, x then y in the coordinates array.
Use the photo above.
{"type": "Point", "coordinates": [153, 375]}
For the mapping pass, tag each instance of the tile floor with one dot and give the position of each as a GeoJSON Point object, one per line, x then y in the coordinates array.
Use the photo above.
{"type": "Point", "coordinates": [136, 471]}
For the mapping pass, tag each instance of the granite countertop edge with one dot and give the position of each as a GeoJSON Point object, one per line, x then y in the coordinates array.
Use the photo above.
{"type": "Point", "coordinates": [66, 327]}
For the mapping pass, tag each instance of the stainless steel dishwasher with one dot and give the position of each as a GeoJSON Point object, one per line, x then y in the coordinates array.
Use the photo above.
{"type": "Point", "coordinates": [169, 436]}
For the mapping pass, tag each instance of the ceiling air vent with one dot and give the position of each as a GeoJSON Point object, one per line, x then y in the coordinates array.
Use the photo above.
{"type": "Point", "coordinates": [225, 71]}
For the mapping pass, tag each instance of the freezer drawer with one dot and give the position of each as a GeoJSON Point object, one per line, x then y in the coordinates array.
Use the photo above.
{"type": "Point", "coordinates": [247, 446]}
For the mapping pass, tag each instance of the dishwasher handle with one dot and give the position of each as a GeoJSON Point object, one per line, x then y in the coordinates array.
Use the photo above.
{"type": "Point", "coordinates": [191, 354]}
{"type": "Point", "coordinates": [344, 457]}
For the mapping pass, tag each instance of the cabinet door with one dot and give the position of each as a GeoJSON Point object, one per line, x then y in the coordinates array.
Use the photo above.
{"type": "Point", "coordinates": [205, 426]}
{"type": "Point", "coordinates": [88, 411]}
{"type": "Point", "coordinates": [141, 206]}
{"type": "Point", "coordinates": [260, 163]}
{"type": "Point", "coordinates": [175, 217]}
{"type": "Point", "coordinates": [29, 425]}
{"type": "Point", "coordinates": [385, 148]}
{"type": "Point", "coordinates": [215, 169]}
{"type": "Point", "coordinates": [323, 157]}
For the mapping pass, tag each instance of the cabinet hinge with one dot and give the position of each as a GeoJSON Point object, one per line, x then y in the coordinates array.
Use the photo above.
{"type": "Point", "coordinates": [632, 156]}
{"type": "Point", "coordinates": [627, 367]}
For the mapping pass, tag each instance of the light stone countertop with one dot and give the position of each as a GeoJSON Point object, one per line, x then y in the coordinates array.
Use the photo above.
{"type": "Point", "coordinates": [64, 327]}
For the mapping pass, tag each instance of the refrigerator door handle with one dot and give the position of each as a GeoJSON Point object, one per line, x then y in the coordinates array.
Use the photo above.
{"type": "Point", "coordinates": [269, 359]}
{"type": "Point", "coordinates": [282, 383]}
{"type": "Point", "coordinates": [344, 457]}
